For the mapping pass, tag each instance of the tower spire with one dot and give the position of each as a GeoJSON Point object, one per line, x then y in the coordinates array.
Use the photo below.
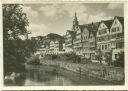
{"type": "Point", "coordinates": [75, 22]}
{"type": "Point", "coordinates": [75, 18]}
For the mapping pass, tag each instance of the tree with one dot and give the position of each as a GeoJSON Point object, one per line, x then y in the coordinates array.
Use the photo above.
{"type": "Point", "coordinates": [14, 21]}
{"type": "Point", "coordinates": [15, 24]}
{"type": "Point", "coordinates": [120, 59]}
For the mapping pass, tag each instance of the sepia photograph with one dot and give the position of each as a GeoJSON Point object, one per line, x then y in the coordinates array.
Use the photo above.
{"type": "Point", "coordinates": [63, 44]}
{"type": "Point", "coordinates": [64, 90]}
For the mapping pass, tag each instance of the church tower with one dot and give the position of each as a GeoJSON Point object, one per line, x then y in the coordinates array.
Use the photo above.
{"type": "Point", "coordinates": [75, 22]}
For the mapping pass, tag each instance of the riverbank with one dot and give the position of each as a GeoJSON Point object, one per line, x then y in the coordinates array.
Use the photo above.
{"type": "Point", "coordinates": [97, 71]}
{"type": "Point", "coordinates": [75, 77]}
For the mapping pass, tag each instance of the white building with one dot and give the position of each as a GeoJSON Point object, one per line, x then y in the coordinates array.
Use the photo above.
{"type": "Point", "coordinates": [117, 36]}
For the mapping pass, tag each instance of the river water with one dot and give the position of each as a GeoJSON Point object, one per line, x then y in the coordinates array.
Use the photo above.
{"type": "Point", "coordinates": [52, 76]}
{"type": "Point", "coordinates": [37, 77]}
{"type": "Point", "coordinates": [41, 76]}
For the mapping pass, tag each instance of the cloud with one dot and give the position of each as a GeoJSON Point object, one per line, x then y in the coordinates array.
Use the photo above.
{"type": "Point", "coordinates": [55, 10]}
{"type": "Point", "coordinates": [98, 17]}
{"type": "Point", "coordinates": [31, 14]}
{"type": "Point", "coordinates": [80, 9]}
{"type": "Point", "coordinates": [72, 8]}
{"type": "Point", "coordinates": [115, 5]}
{"type": "Point", "coordinates": [49, 10]}
{"type": "Point", "coordinates": [57, 18]}
{"type": "Point", "coordinates": [37, 29]}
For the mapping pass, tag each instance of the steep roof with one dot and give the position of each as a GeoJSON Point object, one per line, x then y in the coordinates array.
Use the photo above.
{"type": "Point", "coordinates": [93, 27]}
{"type": "Point", "coordinates": [121, 19]}
{"type": "Point", "coordinates": [108, 23]}
{"type": "Point", "coordinates": [81, 27]}
{"type": "Point", "coordinates": [72, 33]}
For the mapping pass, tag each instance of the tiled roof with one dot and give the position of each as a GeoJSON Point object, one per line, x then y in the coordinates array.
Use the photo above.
{"type": "Point", "coordinates": [72, 33]}
{"type": "Point", "coordinates": [121, 19]}
{"type": "Point", "coordinates": [93, 27]}
{"type": "Point", "coordinates": [108, 23]}
{"type": "Point", "coordinates": [81, 27]}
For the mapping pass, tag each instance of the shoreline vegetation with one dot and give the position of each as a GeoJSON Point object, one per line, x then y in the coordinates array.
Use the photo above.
{"type": "Point", "coordinates": [99, 71]}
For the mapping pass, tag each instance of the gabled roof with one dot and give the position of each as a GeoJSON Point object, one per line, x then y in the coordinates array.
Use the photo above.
{"type": "Point", "coordinates": [81, 27]}
{"type": "Point", "coordinates": [93, 27]}
{"type": "Point", "coordinates": [121, 19]}
{"type": "Point", "coordinates": [108, 23]}
{"type": "Point", "coordinates": [72, 33]}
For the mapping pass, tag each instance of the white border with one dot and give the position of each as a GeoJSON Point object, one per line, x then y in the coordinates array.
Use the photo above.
{"type": "Point", "coordinates": [122, 87]}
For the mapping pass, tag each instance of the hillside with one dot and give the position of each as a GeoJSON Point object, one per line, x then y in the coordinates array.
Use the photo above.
{"type": "Point", "coordinates": [54, 37]}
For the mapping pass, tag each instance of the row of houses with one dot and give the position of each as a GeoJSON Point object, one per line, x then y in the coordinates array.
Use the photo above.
{"type": "Point", "coordinates": [86, 39]}
{"type": "Point", "coordinates": [47, 46]}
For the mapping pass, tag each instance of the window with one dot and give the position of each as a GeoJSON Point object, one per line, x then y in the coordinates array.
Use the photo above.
{"type": "Point", "coordinates": [108, 46]}
{"type": "Point", "coordinates": [113, 29]}
{"type": "Point", "coordinates": [102, 47]}
{"type": "Point", "coordinates": [117, 28]}
{"type": "Point", "coordinates": [105, 46]}
{"type": "Point", "coordinates": [115, 56]}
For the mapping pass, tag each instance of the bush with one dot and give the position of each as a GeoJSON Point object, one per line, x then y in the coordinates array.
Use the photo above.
{"type": "Point", "coordinates": [70, 57]}
{"type": "Point", "coordinates": [108, 58]}
{"type": "Point", "coordinates": [34, 61]}
{"type": "Point", "coordinates": [119, 60]}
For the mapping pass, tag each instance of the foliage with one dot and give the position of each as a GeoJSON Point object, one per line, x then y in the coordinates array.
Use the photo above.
{"type": "Point", "coordinates": [70, 57]}
{"type": "Point", "coordinates": [34, 60]}
{"type": "Point", "coordinates": [15, 24]}
{"type": "Point", "coordinates": [34, 45]}
{"type": "Point", "coordinates": [99, 55]}
{"type": "Point", "coordinates": [14, 21]}
{"type": "Point", "coordinates": [120, 60]}
{"type": "Point", "coordinates": [108, 58]}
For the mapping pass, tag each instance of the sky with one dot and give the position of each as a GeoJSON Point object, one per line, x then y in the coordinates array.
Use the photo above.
{"type": "Point", "coordinates": [57, 18]}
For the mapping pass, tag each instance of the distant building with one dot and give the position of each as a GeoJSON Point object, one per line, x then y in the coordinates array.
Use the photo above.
{"type": "Point", "coordinates": [69, 41]}
{"type": "Point", "coordinates": [52, 45]}
{"type": "Point", "coordinates": [55, 46]}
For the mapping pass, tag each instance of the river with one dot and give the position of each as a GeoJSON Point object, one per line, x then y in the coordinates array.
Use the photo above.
{"type": "Point", "coordinates": [37, 77]}
{"type": "Point", "coordinates": [52, 76]}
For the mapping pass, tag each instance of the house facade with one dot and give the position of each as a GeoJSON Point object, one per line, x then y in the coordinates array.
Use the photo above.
{"type": "Point", "coordinates": [69, 41]}
{"type": "Point", "coordinates": [77, 42]}
{"type": "Point", "coordinates": [117, 36]}
{"type": "Point", "coordinates": [54, 47]}
{"type": "Point", "coordinates": [85, 41]}
{"type": "Point", "coordinates": [103, 33]}
{"type": "Point", "coordinates": [89, 40]}
{"type": "Point", "coordinates": [106, 36]}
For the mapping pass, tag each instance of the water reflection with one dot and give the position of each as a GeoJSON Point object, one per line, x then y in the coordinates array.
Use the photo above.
{"type": "Point", "coordinates": [46, 78]}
